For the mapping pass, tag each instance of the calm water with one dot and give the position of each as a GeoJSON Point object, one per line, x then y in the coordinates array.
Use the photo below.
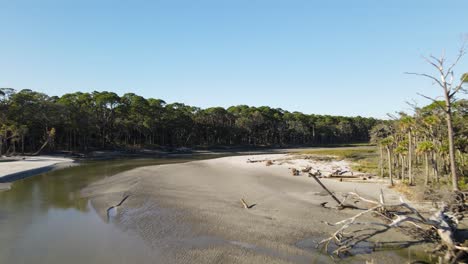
{"type": "Point", "coordinates": [43, 219]}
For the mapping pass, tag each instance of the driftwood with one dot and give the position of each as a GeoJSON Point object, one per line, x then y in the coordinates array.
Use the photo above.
{"type": "Point", "coordinates": [338, 173]}
{"type": "Point", "coordinates": [116, 206]}
{"type": "Point", "coordinates": [295, 172]}
{"type": "Point", "coordinates": [255, 161]}
{"type": "Point", "coordinates": [318, 173]}
{"type": "Point", "coordinates": [326, 189]}
{"type": "Point", "coordinates": [246, 205]}
{"type": "Point", "coordinates": [439, 228]}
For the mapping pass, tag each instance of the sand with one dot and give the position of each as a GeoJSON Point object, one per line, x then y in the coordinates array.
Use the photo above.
{"type": "Point", "coordinates": [24, 166]}
{"type": "Point", "coordinates": [192, 213]}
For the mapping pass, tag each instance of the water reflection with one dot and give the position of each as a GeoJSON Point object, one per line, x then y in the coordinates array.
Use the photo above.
{"type": "Point", "coordinates": [43, 219]}
{"type": "Point", "coordinates": [61, 189]}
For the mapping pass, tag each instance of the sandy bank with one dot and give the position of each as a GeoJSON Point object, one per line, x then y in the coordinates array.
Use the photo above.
{"type": "Point", "coordinates": [191, 212]}
{"type": "Point", "coordinates": [28, 166]}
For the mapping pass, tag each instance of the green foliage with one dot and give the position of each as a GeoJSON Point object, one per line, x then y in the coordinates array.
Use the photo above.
{"type": "Point", "coordinates": [85, 121]}
{"type": "Point", "coordinates": [425, 147]}
{"type": "Point", "coordinates": [424, 136]}
{"type": "Point", "coordinates": [464, 77]}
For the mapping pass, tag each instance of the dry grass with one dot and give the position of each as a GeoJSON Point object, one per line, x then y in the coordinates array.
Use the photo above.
{"type": "Point", "coordinates": [406, 190]}
{"type": "Point", "coordinates": [421, 193]}
{"type": "Point", "coordinates": [365, 159]}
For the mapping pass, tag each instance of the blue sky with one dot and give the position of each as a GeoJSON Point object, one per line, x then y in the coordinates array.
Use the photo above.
{"type": "Point", "coordinates": [323, 57]}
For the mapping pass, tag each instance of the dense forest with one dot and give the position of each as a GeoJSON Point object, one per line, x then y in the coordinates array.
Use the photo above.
{"type": "Point", "coordinates": [30, 121]}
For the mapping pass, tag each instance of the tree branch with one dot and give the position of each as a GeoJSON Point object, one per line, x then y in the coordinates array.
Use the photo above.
{"type": "Point", "coordinates": [457, 89]}
{"type": "Point", "coordinates": [461, 53]}
{"type": "Point", "coordinates": [427, 76]}
{"type": "Point", "coordinates": [435, 101]}
{"type": "Point", "coordinates": [438, 67]}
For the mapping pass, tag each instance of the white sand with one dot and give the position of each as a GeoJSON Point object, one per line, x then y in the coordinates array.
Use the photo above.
{"type": "Point", "coordinates": [29, 164]}
{"type": "Point", "coordinates": [192, 211]}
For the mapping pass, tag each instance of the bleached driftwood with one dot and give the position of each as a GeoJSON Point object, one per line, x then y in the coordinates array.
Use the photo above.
{"type": "Point", "coordinates": [442, 225]}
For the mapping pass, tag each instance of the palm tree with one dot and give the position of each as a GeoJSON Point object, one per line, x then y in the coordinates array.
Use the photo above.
{"type": "Point", "coordinates": [388, 144]}
{"type": "Point", "coordinates": [402, 151]}
{"type": "Point", "coordinates": [406, 124]}
{"type": "Point", "coordinates": [425, 148]}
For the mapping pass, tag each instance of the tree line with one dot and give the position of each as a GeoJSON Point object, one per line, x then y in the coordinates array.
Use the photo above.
{"type": "Point", "coordinates": [31, 121]}
{"type": "Point", "coordinates": [432, 144]}
{"type": "Point", "coordinates": [415, 148]}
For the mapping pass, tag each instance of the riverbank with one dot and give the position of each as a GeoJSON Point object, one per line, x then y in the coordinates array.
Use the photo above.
{"type": "Point", "coordinates": [16, 168]}
{"type": "Point", "coordinates": [26, 166]}
{"type": "Point", "coordinates": [191, 212]}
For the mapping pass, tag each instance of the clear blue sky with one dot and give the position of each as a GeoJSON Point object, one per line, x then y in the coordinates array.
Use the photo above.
{"type": "Point", "coordinates": [325, 57]}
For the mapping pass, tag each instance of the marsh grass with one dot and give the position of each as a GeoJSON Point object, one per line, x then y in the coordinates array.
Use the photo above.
{"type": "Point", "coordinates": [364, 158]}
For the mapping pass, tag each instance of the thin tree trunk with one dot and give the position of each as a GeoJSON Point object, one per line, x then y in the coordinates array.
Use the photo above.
{"type": "Point", "coordinates": [434, 166]}
{"type": "Point", "coordinates": [42, 147]}
{"type": "Point", "coordinates": [410, 160]}
{"type": "Point", "coordinates": [453, 168]}
{"type": "Point", "coordinates": [426, 161]}
{"type": "Point", "coordinates": [22, 145]}
{"type": "Point", "coordinates": [403, 167]}
{"type": "Point", "coordinates": [390, 174]}
{"type": "Point", "coordinates": [381, 162]}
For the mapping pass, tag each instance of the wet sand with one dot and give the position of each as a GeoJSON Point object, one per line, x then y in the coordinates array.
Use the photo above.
{"type": "Point", "coordinates": [192, 213]}
{"type": "Point", "coordinates": [20, 167]}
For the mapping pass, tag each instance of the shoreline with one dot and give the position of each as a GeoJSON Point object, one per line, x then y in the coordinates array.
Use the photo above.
{"type": "Point", "coordinates": [22, 167]}
{"type": "Point", "coordinates": [61, 159]}
{"type": "Point", "coordinates": [183, 151]}
{"type": "Point", "coordinates": [193, 210]}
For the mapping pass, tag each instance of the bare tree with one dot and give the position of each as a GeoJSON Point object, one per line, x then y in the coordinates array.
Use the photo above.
{"type": "Point", "coordinates": [447, 82]}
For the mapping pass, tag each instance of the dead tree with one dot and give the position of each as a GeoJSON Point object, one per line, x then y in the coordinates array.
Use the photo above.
{"type": "Point", "coordinates": [447, 81]}
{"type": "Point", "coordinates": [440, 227]}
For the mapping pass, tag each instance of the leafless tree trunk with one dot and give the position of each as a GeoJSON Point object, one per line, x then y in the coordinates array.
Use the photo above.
{"type": "Point", "coordinates": [410, 159]}
{"type": "Point", "coordinates": [426, 162]}
{"type": "Point", "coordinates": [390, 173]}
{"type": "Point", "coordinates": [446, 82]}
{"type": "Point", "coordinates": [381, 162]}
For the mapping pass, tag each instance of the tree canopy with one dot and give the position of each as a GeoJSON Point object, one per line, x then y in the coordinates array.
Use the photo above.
{"type": "Point", "coordinates": [84, 121]}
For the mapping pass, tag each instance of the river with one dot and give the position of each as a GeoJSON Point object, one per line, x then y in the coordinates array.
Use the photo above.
{"type": "Point", "coordinates": [43, 219]}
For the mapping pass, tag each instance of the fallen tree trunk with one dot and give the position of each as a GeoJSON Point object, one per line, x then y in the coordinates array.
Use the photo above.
{"type": "Point", "coordinates": [439, 228]}
{"type": "Point", "coordinates": [326, 189]}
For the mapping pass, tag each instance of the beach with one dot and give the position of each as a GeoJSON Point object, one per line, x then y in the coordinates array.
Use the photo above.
{"type": "Point", "coordinates": [192, 212]}
{"type": "Point", "coordinates": [21, 167]}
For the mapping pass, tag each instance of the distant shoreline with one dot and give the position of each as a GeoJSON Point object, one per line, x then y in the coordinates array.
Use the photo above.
{"type": "Point", "coordinates": [25, 167]}
{"type": "Point", "coordinates": [185, 151]}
